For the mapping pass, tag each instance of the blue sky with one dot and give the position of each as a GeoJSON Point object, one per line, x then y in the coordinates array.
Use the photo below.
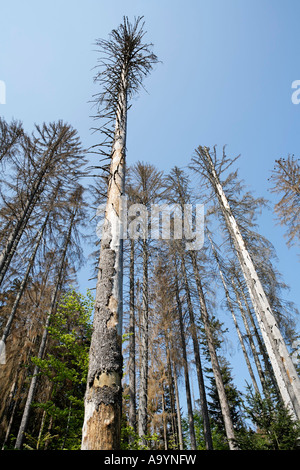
{"type": "Point", "coordinates": [226, 77]}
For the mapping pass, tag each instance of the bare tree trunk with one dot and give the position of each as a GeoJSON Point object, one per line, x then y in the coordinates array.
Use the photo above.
{"type": "Point", "coordinates": [284, 369]}
{"type": "Point", "coordinates": [185, 363]}
{"type": "Point", "coordinates": [132, 352]}
{"type": "Point", "coordinates": [202, 392]}
{"type": "Point", "coordinates": [103, 399]}
{"type": "Point", "coordinates": [11, 419]}
{"type": "Point", "coordinates": [179, 423]}
{"type": "Point", "coordinates": [143, 392]}
{"type": "Point", "coordinates": [261, 349]}
{"type": "Point", "coordinates": [171, 391]}
{"type": "Point", "coordinates": [164, 418]}
{"type": "Point", "coordinates": [250, 339]}
{"type": "Point", "coordinates": [214, 359]}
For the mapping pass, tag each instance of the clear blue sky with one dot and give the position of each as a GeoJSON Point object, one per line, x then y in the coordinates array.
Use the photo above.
{"type": "Point", "coordinates": [226, 77]}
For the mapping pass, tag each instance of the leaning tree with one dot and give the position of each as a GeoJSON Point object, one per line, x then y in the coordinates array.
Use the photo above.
{"type": "Point", "coordinates": [125, 60]}
{"type": "Point", "coordinates": [206, 163]}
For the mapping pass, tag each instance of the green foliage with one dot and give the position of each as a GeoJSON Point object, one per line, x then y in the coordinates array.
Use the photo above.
{"type": "Point", "coordinates": [130, 440]}
{"type": "Point", "coordinates": [66, 367]}
{"type": "Point", "coordinates": [275, 429]}
{"type": "Point", "coordinates": [233, 396]}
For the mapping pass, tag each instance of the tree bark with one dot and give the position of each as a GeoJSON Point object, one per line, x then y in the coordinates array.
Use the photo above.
{"type": "Point", "coordinates": [179, 423]}
{"type": "Point", "coordinates": [143, 392]}
{"type": "Point", "coordinates": [132, 352]}
{"type": "Point", "coordinates": [185, 362]}
{"type": "Point", "coordinates": [103, 398]}
{"type": "Point", "coordinates": [202, 392]}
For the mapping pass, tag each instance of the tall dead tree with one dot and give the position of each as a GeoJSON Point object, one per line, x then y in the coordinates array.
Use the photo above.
{"type": "Point", "coordinates": [51, 154]}
{"type": "Point", "coordinates": [37, 242]}
{"type": "Point", "coordinates": [284, 369]}
{"type": "Point", "coordinates": [179, 193]}
{"type": "Point", "coordinates": [125, 61]}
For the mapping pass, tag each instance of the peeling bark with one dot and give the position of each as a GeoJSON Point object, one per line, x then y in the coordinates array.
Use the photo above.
{"type": "Point", "coordinates": [102, 425]}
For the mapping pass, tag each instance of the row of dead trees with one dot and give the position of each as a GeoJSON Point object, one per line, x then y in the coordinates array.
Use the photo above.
{"type": "Point", "coordinates": [125, 60]}
{"type": "Point", "coordinates": [41, 215]}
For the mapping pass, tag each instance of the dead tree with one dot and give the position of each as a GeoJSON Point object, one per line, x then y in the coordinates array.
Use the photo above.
{"type": "Point", "coordinates": [284, 369]}
{"type": "Point", "coordinates": [125, 61]}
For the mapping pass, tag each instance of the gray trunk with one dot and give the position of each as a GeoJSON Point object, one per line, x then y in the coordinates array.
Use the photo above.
{"type": "Point", "coordinates": [202, 392]}
{"type": "Point", "coordinates": [179, 423]}
{"type": "Point", "coordinates": [250, 339]}
{"type": "Point", "coordinates": [132, 352]}
{"type": "Point", "coordinates": [185, 364]}
{"type": "Point", "coordinates": [143, 392]}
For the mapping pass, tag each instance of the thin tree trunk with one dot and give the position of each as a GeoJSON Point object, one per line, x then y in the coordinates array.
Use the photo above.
{"type": "Point", "coordinates": [185, 363]}
{"type": "Point", "coordinates": [39, 439]}
{"type": "Point", "coordinates": [179, 423]}
{"type": "Point", "coordinates": [261, 347]}
{"type": "Point", "coordinates": [250, 339]}
{"type": "Point", "coordinates": [202, 392]}
{"type": "Point", "coordinates": [171, 391]}
{"type": "Point", "coordinates": [132, 352]}
{"type": "Point", "coordinates": [11, 419]}
{"type": "Point", "coordinates": [164, 418]}
{"type": "Point", "coordinates": [143, 392]}
{"type": "Point", "coordinates": [214, 359]}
